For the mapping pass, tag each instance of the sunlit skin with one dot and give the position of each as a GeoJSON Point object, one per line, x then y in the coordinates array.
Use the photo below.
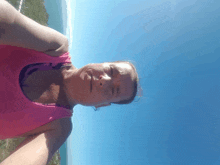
{"type": "Point", "coordinates": [99, 84]}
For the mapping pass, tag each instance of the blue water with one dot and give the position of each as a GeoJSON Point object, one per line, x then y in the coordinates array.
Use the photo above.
{"type": "Point", "coordinates": [54, 9]}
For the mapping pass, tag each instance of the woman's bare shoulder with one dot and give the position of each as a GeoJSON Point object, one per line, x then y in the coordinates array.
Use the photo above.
{"type": "Point", "coordinates": [19, 30]}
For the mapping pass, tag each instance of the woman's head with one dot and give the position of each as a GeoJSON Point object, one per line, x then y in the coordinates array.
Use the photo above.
{"type": "Point", "coordinates": [104, 83]}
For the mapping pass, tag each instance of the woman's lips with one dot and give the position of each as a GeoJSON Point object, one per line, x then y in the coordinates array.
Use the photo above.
{"type": "Point", "coordinates": [91, 84]}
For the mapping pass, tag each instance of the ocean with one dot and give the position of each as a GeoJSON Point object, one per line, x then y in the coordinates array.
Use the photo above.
{"type": "Point", "coordinates": [57, 14]}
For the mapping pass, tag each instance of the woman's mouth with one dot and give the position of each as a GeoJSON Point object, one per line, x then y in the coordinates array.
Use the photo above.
{"type": "Point", "coordinates": [91, 84]}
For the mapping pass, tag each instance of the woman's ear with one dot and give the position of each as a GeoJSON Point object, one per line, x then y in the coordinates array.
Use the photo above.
{"type": "Point", "coordinates": [102, 105]}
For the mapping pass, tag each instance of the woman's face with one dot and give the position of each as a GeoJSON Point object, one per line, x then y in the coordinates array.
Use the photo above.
{"type": "Point", "coordinates": [102, 84]}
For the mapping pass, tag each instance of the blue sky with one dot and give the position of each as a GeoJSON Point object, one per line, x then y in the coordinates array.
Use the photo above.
{"type": "Point", "coordinates": [174, 45]}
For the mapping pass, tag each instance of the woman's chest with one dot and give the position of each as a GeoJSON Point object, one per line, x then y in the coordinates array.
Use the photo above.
{"type": "Point", "coordinates": [41, 86]}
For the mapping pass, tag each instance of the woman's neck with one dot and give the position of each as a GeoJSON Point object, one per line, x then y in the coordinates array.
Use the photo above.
{"type": "Point", "coordinates": [67, 76]}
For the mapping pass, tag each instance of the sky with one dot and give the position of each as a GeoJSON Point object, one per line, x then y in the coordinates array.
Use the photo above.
{"type": "Point", "coordinates": [174, 45]}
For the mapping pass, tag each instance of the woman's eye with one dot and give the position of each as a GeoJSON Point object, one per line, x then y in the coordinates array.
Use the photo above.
{"type": "Point", "coordinates": [111, 71]}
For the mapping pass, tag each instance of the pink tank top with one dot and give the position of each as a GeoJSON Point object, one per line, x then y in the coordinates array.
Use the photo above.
{"type": "Point", "coordinates": [18, 114]}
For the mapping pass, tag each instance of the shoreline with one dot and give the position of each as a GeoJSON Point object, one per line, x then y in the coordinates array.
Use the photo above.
{"type": "Point", "coordinates": [64, 15]}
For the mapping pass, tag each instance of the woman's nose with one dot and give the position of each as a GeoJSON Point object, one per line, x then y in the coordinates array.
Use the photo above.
{"type": "Point", "coordinates": [104, 80]}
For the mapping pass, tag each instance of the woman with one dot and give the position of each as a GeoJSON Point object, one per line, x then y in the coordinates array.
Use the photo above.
{"type": "Point", "coordinates": [39, 86]}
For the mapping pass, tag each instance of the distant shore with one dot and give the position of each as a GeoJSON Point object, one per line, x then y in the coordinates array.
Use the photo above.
{"type": "Point", "coordinates": [64, 15]}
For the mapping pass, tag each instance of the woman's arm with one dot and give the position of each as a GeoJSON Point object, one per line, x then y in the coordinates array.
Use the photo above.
{"type": "Point", "coordinates": [18, 30]}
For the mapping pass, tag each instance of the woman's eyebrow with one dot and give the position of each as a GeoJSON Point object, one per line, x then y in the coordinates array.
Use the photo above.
{"type": "Point", "coordinates": [113, 68]}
